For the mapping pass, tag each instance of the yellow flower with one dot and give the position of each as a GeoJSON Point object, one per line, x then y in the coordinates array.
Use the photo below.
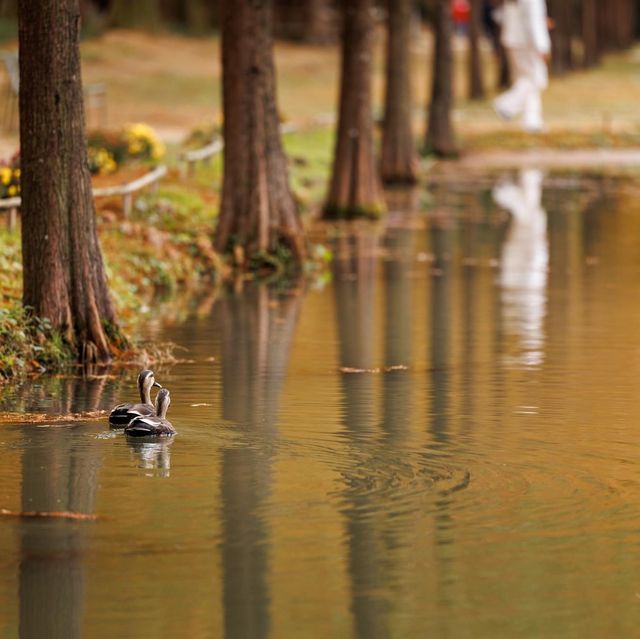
{"type": "Point", "coordinates": [5, 175]}
{"type": "Point", "coordinates": [157, 150]}
{"type": "Point", "coordinates": [12, 191]}
{"type": "Point", "coordinates": [135, 147]}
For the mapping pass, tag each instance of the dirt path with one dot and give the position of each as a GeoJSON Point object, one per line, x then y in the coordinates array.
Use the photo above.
{"type": "Point", "coordinates": [551, 158]}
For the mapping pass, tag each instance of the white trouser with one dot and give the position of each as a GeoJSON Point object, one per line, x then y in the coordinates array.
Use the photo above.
{"type": "Point", "coordinates": [523, 98]}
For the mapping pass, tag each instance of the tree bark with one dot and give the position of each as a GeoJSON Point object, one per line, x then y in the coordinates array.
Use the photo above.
{"type": "Point", "coordinates": [319, 22]}
{"type": "Point", "coordinates": [476, 85]}
{"type": "Point", "coordinates": [494, 33]}
{"type": "Point", "coordinates": [399, 162]}
{"type": "Point", "coordinates": [311, 21]}
{"type": "Point", "coordinates": [198, 16]}
{"type": "Point", "coordinates": [141, 14]}
{"type": "Point", "coordinates": [355, 189]}
{"type": "Point", "coordinates": [440, 138]}
{"type": "Point", "coordinates": [590, 33]}
{"type": "Point", "coordinates": [562, 56]}
{"type": "Point", "coordinates": [63, 274]}
{"type": "Point", "coordinates": [258, 214]}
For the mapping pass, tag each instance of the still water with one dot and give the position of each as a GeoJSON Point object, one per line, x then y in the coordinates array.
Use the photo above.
{"type": "Point", "coordinates": [440, 440]}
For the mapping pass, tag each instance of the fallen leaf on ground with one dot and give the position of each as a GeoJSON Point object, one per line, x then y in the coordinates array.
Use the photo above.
{"type": "Point", "coordinates": [44, 418]}
{"type": "Point", "coordinates": [386, 369]}
{"type": "Point", "coordinates": [62, 514]}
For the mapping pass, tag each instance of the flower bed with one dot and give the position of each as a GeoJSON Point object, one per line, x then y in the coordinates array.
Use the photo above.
{"type": "Point", "coordinates": [108, 151]}
{"type": "Point", "coordinates": [10, 177]}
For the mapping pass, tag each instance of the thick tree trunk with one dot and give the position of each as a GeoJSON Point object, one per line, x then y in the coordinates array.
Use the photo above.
{"type": "Point", "coordinates": [355, 189]}
{"type": "Point", "coordinates": [258, 214]}
{"type": "Point", "coordinates": [476, 86]}
{"type": "Point", "coordinates": [440, 138]}
{"type": "Point", "coordinates": [399, 162]}
{"type": "Point", "coordinates": [64, 278]}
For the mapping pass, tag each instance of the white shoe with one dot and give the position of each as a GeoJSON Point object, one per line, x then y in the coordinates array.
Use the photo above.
{"type": "Point", "coordinates": [501, 113]}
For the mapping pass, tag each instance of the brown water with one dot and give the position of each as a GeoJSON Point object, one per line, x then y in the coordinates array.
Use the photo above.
{"type": "Point", "coordinates": [480, 479]}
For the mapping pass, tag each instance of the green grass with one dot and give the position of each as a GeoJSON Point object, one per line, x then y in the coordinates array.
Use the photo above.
{"type": "Point", "coordinates": [310, 155]}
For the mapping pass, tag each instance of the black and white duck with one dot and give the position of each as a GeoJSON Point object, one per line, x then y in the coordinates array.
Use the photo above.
{"type": "Point", "coordinates": [153, 425]}
{"type": "Point", "coordinates": [122, 414]}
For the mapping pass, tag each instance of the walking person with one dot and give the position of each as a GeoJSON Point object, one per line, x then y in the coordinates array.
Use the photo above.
{"type": "Point", "coordinates": [525, 36]}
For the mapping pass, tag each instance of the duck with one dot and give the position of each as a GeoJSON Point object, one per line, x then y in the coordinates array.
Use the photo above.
{"type": "Point", "coordinates": [153, 425]}
{"type": "Point", "coordinates": [122, 414]}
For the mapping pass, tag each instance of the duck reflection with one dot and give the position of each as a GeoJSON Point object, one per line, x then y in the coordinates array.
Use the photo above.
{"type": "Point", "coordinates": [153, 457]}
{"type": "Point", "coordinates": [59, 473]}
{"type": "Point", "coordinates": [524, 265]}
{"type": "Point", "coordinates": [257, 328]}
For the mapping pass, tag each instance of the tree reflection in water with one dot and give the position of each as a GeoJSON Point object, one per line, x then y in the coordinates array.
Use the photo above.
{"type": "Point", "coordinates": [59, 473]}
{"type": "Point", "coordinates": [354, 270]}
{"type": "Point", "coordinates": [257, 328]}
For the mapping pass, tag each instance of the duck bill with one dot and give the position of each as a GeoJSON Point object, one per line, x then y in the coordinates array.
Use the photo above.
{"type": "Point", "coordinates": [156, 384]}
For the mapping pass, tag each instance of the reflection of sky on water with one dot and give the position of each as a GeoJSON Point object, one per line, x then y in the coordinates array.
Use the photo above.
{"type": "Point", "coordinates": [524, 264]}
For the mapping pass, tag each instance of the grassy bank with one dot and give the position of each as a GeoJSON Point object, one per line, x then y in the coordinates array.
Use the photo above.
{"type": "Point", "coordinates": [161, 252]}
{"type": "Point", "coordinates": [164, 248]}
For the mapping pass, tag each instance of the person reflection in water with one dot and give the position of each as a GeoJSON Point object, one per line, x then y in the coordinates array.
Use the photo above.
{"type": "Point", "coordinates": [524, 263]}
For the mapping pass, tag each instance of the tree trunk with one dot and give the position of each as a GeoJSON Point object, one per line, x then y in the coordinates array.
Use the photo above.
{"type": "Point", "coordinates": [504, 71]}
{"type": "Point", "coordinates": [197, 16]}
{"type": "Point", "coordinates": [562, 57]}
{"type": "Point", "coordinates": [258, 214]}
{"type": "Point", "coordinates": [141, 14]}
{"type": "Point", "coordinates": [355, 189]}
{"type": "Point", "coordinates": [311, 21]}
{"type": "Point", "coordinates": [476, 86]}
{"type": "Point", "coordinates": [440, 138]}
{"type": "Point", "coordinates": [590, 33]}
{"type": "Point", "coordinates": [399, 161]}
{"type": "Point", "coordinates": [319, 22]}
{"type": "Point", "coordinates": [63, 273]}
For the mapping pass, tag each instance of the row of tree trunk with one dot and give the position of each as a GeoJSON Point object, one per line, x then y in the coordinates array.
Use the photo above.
{"type": "Point", "coordinates": [586, 29]}
{"type": "Point", "coordinates": [64, 276]}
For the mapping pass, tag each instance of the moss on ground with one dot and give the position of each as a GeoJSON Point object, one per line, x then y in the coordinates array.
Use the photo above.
{"type": "Point", "coordinates": [28, 344]}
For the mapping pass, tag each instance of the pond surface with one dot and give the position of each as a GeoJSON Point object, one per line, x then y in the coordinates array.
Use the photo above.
{"type": "Point", "coordinates": [442, 440]}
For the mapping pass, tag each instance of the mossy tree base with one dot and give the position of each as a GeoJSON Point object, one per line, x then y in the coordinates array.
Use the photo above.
{"type": "Point", "coordinates": [372, 211]}
{"type": "Point", "coordinates": [355, 189]}
{"type": "Point", "coordinates": [258, 212]}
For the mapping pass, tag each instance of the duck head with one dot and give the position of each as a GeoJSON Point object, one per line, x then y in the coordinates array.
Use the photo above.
{"type": "Point", "coordinates": [146, 381]}
{"type": "Point", "coordinates": [163, 399]}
